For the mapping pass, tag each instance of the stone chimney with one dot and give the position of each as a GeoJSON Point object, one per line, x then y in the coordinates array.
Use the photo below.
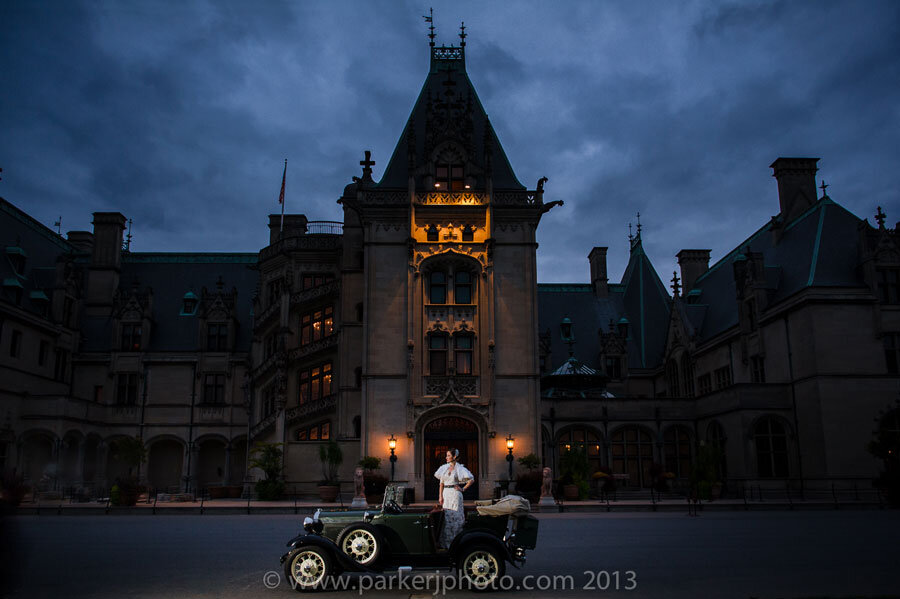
{"type": "Point", "coordinates": [82, 240]}
{"type": "Point", "coordinates": [599, 280]}
{"type": "Point", "coordinates": [693, 264]}
{"type": "Point", "coordinates": [106, 259]}
{"type": "Point", "coordinates": [294, 225]}
{"type": "Point", "coordinates": [796, 185]}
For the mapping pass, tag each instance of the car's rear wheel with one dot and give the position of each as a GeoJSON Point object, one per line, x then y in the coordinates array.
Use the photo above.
{"type": "Point", "coordinates": [308, 568]}
{"type": "Point", "coordinates": [362, 542]}
{"type": "Point", "coordinates": [481, 566]}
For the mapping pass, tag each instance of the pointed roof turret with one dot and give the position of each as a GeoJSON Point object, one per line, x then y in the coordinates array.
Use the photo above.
{"type": "Point", "coordinates": [449, 126]}
{"type": "Point", "coordinates": [646, 303]}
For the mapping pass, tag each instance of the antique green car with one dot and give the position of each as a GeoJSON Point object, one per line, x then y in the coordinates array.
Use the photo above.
{"type": "Point", "coordinates": [395, 536]}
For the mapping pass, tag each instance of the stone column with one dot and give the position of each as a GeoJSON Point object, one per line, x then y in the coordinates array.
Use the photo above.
{"type": "Point", "coordinates": [79, 465]}
{"type": "Point", "coordinates": [187, 466]}
{"type": "Point", "coordinates": [102, 484]}
{"type": "Point", "coordinates": [226, 480]}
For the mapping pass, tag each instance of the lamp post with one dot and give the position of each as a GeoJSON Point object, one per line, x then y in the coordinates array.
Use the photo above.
{"type": "Point", "coordinates": [510, 443]}
{"type": "Point", "coordinates": [392, 444]}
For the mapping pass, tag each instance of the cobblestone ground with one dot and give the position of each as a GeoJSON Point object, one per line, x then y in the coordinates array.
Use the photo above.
{"type": "Point", "coordinates": [836, 553]}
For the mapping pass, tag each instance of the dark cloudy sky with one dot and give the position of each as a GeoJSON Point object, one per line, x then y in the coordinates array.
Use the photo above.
{"type": "Point", "coordinates": [180, 114]}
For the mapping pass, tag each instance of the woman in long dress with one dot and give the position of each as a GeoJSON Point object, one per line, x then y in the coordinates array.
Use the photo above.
{"type": "Point", "coordinates": [455, 478]}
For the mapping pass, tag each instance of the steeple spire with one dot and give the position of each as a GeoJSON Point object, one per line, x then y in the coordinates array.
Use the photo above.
{"type": "Point", "coordinates": [430, 20]}
{"type": "Point", "coordinates": [462, 34]}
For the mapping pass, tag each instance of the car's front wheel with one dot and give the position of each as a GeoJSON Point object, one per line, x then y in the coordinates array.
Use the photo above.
{"type": "Point", "coordinates": [362, 542]}
{"type": "Point", "coordinates": [308, 568]}
{"type": "Point", "coordinates": [481, 566]}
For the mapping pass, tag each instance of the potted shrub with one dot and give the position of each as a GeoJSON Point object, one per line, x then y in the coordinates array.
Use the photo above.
{"type": "Point", "coordinates": [573, 468]}
{"type": "Point", "coordinates": [267, 457]}
{"type": "Point", "coordinates": [331, 457]}
{"type": "Point", "coordinates": [133, 453]}
{"type": "Point", "coordinates": [528, 483]}
{"type": "Point", "coordinates": [374, 482]}
{"type": "Point", "coordinates": [704, 479]}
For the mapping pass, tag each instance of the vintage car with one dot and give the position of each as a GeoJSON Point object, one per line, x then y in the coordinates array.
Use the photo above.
{"type": "Point", "coordinates": [398, 536]}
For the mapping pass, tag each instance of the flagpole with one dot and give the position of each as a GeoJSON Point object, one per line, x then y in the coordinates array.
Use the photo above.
{"type": "Point", "coordinates": [281, 199]}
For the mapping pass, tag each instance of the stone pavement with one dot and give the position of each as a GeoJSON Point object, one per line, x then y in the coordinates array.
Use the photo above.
{"type": "Point", "coordinates": [306, 506]}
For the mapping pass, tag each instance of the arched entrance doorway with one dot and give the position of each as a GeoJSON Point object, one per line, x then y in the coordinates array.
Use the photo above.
{"type": "Point", "coordinates": [445, 433]}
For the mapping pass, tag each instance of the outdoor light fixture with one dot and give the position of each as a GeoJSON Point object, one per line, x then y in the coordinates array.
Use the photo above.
{"type": "Point", "coordinates": [510, 443]}
{"type": "Point", "coordinates": [392, 444]}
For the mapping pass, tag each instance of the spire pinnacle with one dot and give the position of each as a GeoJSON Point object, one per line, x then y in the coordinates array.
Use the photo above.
{"type": "Point", "coordinates": [462, 34]}
{"type": "Point", "coordinates": [638, 224]}
{"type": "Point", "coordinates": [676, 287]}
{"type": "Point", "coordinates": [630, 236]}
{"type": "Point", "coordinates": [879, 218]}
{"type": "Point", "coordinates": [823, 187]}
{"type": "Point", "coordinates": [430, 20]}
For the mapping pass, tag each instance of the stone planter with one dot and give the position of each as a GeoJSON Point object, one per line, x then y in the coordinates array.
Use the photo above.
{"type": "Point", "coordinates": [570, 492]}
{"type": "Point", "coordinates": [328, 493]}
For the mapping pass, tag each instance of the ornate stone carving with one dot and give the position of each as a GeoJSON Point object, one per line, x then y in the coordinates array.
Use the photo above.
{"type": "Point", "coordinates": [311, 408]}
{"type": "Point", "coordinates": [452, 199]}
{"type": "Point", "coordinates": [444, 386]}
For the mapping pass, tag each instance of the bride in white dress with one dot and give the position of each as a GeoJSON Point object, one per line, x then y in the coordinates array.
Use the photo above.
{"type": "Point", "coordinates": [455, 478]}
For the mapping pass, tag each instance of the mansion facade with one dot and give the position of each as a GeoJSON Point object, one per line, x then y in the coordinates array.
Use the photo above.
{"type": "Point", "coordinates": [419, 319]}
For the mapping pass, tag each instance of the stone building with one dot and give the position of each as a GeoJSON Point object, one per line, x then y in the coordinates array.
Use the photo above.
{"type": "Point", "coordinates": [419, 318]}
{"type": "Point", "coordinates": [781, 354]}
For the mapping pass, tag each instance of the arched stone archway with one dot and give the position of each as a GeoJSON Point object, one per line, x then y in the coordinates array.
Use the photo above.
{"type": "Point", "coordinates": [210, 463]}
{"type": "Point", "coordinates": [164, 464]}
{"type": "Point", "coordinates": [237, 461]}
{"type": "Point", "coordinates": [38, 462]}
{"type": "Point", "coordinates": [443, 433]}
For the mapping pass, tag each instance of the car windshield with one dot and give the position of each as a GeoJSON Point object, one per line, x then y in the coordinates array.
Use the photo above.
{"type": "Point", "coordinates": [393, 493]}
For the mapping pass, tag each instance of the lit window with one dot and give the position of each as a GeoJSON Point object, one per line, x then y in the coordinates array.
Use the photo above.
{"type": "Point", "coordinates": [316, 383]}
{"type": "Point", "coordinates": [449, 177]}
{"type": "Point", "coordinates": [316, 325]}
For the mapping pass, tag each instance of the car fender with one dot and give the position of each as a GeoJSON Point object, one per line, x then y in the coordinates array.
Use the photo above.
{"type": "Point", "coordinates": [346, 563]}
{"type": "Point", "coordinates": [486, 538]}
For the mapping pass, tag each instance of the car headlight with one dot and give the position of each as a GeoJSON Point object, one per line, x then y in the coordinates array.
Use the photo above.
{"type": "Point", "coordinates": [313, 525]}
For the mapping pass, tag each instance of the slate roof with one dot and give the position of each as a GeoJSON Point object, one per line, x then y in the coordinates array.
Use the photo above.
{"type": "Point", "coordinates": [171, 276]}
{"type": "Point", "coordinates": [641, 298]}
{"type": "Point", "coordinates": [817, 249]}
{"type": "Point", "coordinates": [41, 247]}
{"type": "Point", "coordinates": [448, 72]}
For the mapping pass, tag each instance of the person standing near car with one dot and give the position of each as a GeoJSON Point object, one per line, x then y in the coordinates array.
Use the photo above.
{"type": "Point", "coordinates": [455, 479]}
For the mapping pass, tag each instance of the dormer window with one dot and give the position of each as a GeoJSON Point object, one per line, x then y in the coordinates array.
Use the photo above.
{"type": "Point", "coordinates": [189, 304]}
{"type": "Point", "coordinates": [449, 177]}
{"type": "Point", "coordinates": [16, 256]}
